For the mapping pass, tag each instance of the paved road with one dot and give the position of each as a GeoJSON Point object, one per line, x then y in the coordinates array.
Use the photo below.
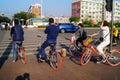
{"type": "Point", "coordinates": [71, 69]}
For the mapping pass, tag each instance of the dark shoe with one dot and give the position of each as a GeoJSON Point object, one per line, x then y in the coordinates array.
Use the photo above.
{"type": "Point", "coordinates": [98, 61]}
{"type": "Point", "coordinates": [101, 59]}
{"type": "Point", "coordinates": [41, 60]}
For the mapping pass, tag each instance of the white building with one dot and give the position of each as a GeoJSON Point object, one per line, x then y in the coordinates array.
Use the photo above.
{"type": "Point", "coordinates": [94, 10]}
{"type": "Point", "coordinates": [61, 19]}
{"type": "Point", "coordinates": [87, 10]}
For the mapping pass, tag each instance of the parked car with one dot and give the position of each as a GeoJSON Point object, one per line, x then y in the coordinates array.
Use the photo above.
{"type": "Point", "coordinates": [67, 27]}
{"type": "Point", "coordinates": [4, 26]}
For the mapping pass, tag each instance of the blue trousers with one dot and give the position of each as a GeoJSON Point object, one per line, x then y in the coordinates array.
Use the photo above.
{"type": "Point", "coordinates": [44, 45]}
{"type": "Point", "coordinates": [15, 50]}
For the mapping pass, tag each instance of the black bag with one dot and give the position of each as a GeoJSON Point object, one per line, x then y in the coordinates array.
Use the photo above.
{"type": "Point", "coordinates": [101, 39]}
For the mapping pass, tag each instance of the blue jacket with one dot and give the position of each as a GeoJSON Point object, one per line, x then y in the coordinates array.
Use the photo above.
{"type": "Point", "coordinates": [18, 34]}
{"type": "Point", "coordinates": [52, 32]}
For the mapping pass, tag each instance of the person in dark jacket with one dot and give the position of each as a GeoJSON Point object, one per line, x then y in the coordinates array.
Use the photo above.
{"type": "Point", "coordinates": [52, 32]}
{"type": "Point", "coordinates": [81, 34]}
{"type": "Point", "coordinates": [17, 35]}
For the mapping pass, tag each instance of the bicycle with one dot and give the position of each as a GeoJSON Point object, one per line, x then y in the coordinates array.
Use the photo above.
{"type": "Point", "coordinates": [21, 52]}
{"type": "Point", "coordinates": [112, 56]}
{"type": "Point", "coordinates": [54, 58]}
{"type": "Point", "coordinates": [73, 48]}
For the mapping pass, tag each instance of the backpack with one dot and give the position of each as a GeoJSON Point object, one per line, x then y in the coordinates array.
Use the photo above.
{"type": "Point", "coordinates": [84, 35]}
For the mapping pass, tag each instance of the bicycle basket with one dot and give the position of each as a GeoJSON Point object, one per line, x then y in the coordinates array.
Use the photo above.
{"type": "Point", "coordinates": [87, 41]}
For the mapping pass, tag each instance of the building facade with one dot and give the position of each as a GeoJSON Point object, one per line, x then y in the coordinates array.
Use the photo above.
{"type": "Point", "coordinates": [94, 10]}
{"type": "Point", "coordinates": [35, 9]}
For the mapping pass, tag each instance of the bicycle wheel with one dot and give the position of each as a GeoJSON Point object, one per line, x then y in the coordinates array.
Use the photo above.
{"type": "Point", "coordinates": [22, 55]}
{"type": "Point", "coordinates": [85, 58]}
{"type": "Point", "coordinates": [113, 58]}
{"type": "Point", "coordinates": [55, 61]}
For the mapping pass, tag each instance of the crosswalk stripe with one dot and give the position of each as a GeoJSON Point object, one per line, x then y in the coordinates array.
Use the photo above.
{"type": "Point", "coordinates": [31, 42]}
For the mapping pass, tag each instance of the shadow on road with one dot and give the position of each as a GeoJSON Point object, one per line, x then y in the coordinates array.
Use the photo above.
{"type": "Point", "coordinates": [25, 76]}
{"type": "Point", "coordinates": [5, 55]}
{"type": "Point", "coordinates": [65, 47]}
{"type": "Point", "coordinates": [75, 59]}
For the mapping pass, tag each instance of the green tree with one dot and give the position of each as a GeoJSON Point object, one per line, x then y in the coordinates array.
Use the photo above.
{"type": "Point", "coordinates": [87, 23]}
{"type": "Point", "coordinates": [23, 16]}
{"type": "Point", "coordinates": [4, 19]}
{"type": "Point", "coordinates": [74, 19]}
{"type": "Point", "coordinates": [30, 15]}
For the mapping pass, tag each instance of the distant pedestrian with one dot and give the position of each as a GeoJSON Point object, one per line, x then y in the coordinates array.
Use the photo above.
{"type": "Point", "coordinates": [115, 34]}
{"type": "Point", "coordinates": [81, 34]}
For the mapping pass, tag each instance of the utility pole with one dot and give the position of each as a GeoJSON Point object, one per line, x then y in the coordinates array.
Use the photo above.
{"type": "Point", "coordinates": [104, 11]}
{"type": "Point", "coordinates": [110, 7]}
{"type": "Point", "coordinates": [112, 15]}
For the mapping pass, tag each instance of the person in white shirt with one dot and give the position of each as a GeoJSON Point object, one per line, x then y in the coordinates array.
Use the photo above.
{"type": "Point", "coordinates": [104, 33]}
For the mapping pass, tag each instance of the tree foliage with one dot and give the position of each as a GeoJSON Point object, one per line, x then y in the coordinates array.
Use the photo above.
{"type": "Point", "coordinates": [4, 19]}
{"type": "Point", "coordinates": [87, 23]}
{"type": "Point", "coordinates": [23, 15]}
{"type": "Point", "coordinates": [74, 19]}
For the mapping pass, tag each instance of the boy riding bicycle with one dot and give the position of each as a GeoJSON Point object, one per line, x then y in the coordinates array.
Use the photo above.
{"type": "Point", "coordinates": [17, 35]}
{"type": "Point", "coordinates": [81, 34]}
